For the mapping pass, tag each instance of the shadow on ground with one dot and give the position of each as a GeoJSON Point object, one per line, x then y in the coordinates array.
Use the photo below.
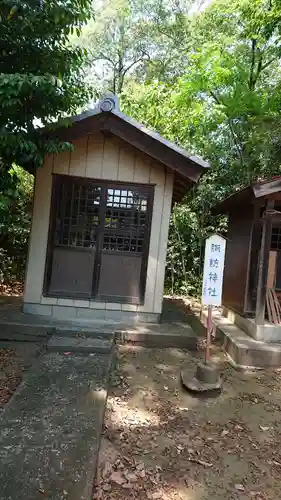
{"type": "Point", "coordinates": [161, 442]}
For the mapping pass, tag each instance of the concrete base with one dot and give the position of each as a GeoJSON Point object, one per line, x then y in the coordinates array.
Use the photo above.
{"type": "Point", "coordinates": [24, 333]}
{"type": "Point", "coordinates": [207, 379]}
{"type": "Point", "coordinates": [243, 351]}
{"type": "Point", "coordinates": [173, 331]}
{"type": "Point", "coordinates": [266, 333]}
{"type": "Point", "coordinates": [89, 315]}
{"type": "Point", "coordinates": [177, 335]}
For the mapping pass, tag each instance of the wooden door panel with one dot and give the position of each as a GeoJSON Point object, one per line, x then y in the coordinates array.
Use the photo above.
{"type": "Point", "coordinates": [72, 272]}
{"type": "Point", "coordinates": [99, 240]}
{"type": "Point", "coordinates": [119, 279]}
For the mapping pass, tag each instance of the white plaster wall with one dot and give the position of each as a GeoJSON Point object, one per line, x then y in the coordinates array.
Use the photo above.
{"type": "Point", "coordinates": [97, 157]}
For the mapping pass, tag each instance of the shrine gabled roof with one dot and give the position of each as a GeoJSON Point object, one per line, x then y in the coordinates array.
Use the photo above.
{"type": "Point", "coordinates": [247, 195]}
{"type": "Point", "coordinates": [106, 117]}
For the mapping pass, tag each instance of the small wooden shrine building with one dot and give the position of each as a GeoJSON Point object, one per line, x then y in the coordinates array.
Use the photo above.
{"type": "Point", "coordinates": [100, 222]}
{"type": "Point", "coordinates": [253, 256]}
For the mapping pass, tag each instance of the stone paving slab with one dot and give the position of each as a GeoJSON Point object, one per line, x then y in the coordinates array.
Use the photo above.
{"type": "Point", "coordinates": [23, 334]}
{"type": "Point", "coordinates": [100, 333]}
{"type": "Point", "coordinates": [178, 335]}
{"type": "Point", "coordinates": [50, 430]}
{"type": "Point", "coordinates": [79, 344]}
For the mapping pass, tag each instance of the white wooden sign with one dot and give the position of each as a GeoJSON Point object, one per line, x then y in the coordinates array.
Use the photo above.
{"type": "Point", "coordinates": [213, 270]}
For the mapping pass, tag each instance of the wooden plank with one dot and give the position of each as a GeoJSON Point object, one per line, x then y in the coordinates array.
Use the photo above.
{"type": "Point", "coordinates": [157, 177]}
{"type": "Point", "coordinates": [267, 188]}
{"type": "Point", "coordinates": [110, 159]}
{"type": "Point", "coordinates": [277, 306]}
{"type": "Point", "coordinates": [236, 277]}
{"type": "Point", "coordinates": [78, 157]}
{"type": "Point", "coordinates": [271, 269]}
{"type": "Point", "coordinates": [254, 223]}
{"type": "Point", "coordinates": [142, 169]}
{"type": "Point", "coordinates": [263, 265]}
{"type": "Point", "coordinates": [94, 156]}
{"type": "Point", "coordinates": [39, 232]}
{"type": "Point", "coordinates": [161, 264]}
{"type": "Point", "coordinates": [156, 149]}
{"type": "Point", "coordinates": [268, 306]}
{"type": "Point", "coordinates": [126, 163]}
{"type": "Point", "coordinates": [61, 163]}
{"type": "Point", "coordinates": [272, 306]}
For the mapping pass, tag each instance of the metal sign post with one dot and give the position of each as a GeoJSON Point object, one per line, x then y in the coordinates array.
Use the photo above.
{"type": "Point", "coordinates": [209, 334]}
{"type": "Point", "coordinates": [207, 378]}
{"type": "Point", "coordinates": [212, 281]}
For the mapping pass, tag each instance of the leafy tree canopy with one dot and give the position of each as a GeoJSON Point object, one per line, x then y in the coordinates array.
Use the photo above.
{"type": "Point", "coordinates": [207, 78]}
{"type": "Point", "coordinates": [40, 73]}
{"type": "Point", "coordinates": [136, 39]}
{"type": "Point", "coordinates": [226, 106]}
{"type": "Point", "coordinates": [226, 103]}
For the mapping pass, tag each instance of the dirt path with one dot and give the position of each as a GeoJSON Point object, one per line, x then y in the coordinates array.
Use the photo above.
{"type": "Point", "coordinates": [162, 443]}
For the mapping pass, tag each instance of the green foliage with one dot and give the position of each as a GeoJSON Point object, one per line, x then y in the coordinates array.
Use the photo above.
{"type": "Point", "coordinates": [135, 39]}
{"type": "Point", "coordinates": [40, 73]}
{"type": "Point", "coordinates": [15, 218]}
{"type": "Point", "coordinates": [209, 80]}
{"type": "Point", "coordinates": [41, 81]}
{"type": "Point", "coordinates": [224, 106]}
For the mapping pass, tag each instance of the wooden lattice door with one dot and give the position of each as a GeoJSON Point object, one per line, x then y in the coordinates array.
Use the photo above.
{"type": "Point", "coordinates": [98, 246]}
{"type": "Point", "coordinates": [75, 238]}
{"type": "Point", "coordinates": [124, 243]}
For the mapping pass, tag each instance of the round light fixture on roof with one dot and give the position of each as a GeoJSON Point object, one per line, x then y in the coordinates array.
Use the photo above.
{"type": "Point", "coordinates": [107, 104]}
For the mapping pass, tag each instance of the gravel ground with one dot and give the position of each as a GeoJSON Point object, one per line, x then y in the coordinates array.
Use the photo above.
{"type": "Point", "coordinates": [162, 443]}
{"type": "Point", "coordinates": [13, 363]}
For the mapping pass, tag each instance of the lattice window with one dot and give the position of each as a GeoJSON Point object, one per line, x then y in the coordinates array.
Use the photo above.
{"type": "Point", "coordinates": [276, 238]}
{"type": "Point", "coordinates": [125, 220]}
{"type": "Point", "coordinates": [82, 212]}
{"type": "Point", "coordinates": [78, 215]}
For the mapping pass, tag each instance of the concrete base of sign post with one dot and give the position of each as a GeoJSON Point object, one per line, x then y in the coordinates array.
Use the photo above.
{"type": "Point", "coordinates": [207, 379]}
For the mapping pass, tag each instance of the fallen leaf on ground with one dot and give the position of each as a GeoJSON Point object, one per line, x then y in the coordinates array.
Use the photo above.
{"type": "Point", "coordinates": [127, 486]}
{"type": "Point", "coordinates": [262, 428]}
{"type": "Point", "coordinates": [239, 487]}
{"type": "Point", "coordinates": [200, 462]}
{"type": "Point", "coordinates": [277, 463]}
{"type": "Point", "coordinates": [224, 433]}
{"type": "Point", "coordinates": [156, 495]}
{"type": "Point", "coordinates": [131, 477]}
{"type": "Point", "coordinates": [106, 487]}
{"type": "Point", "coordinates": [117, 477]}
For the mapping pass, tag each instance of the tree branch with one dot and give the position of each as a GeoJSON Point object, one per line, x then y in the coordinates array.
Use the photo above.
{"type": "Point", "coordinates": [101, 57]}
{"type": "Point", "coordinates": [125, 70]}
{"type": "Point", "coordinates": [265, 65]}
{"type": "Point", "coordinates": [231, 128]}
{"type": "Point", "coordinates": [213, 95]}
{"type": "Point", "coordinates": [133, 64]}
{"type": "Point", "coordinates": [253, 62]}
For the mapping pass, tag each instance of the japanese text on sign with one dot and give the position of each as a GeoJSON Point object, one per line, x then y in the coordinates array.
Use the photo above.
{"type": "Point", "coordinates": [213, 271]}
